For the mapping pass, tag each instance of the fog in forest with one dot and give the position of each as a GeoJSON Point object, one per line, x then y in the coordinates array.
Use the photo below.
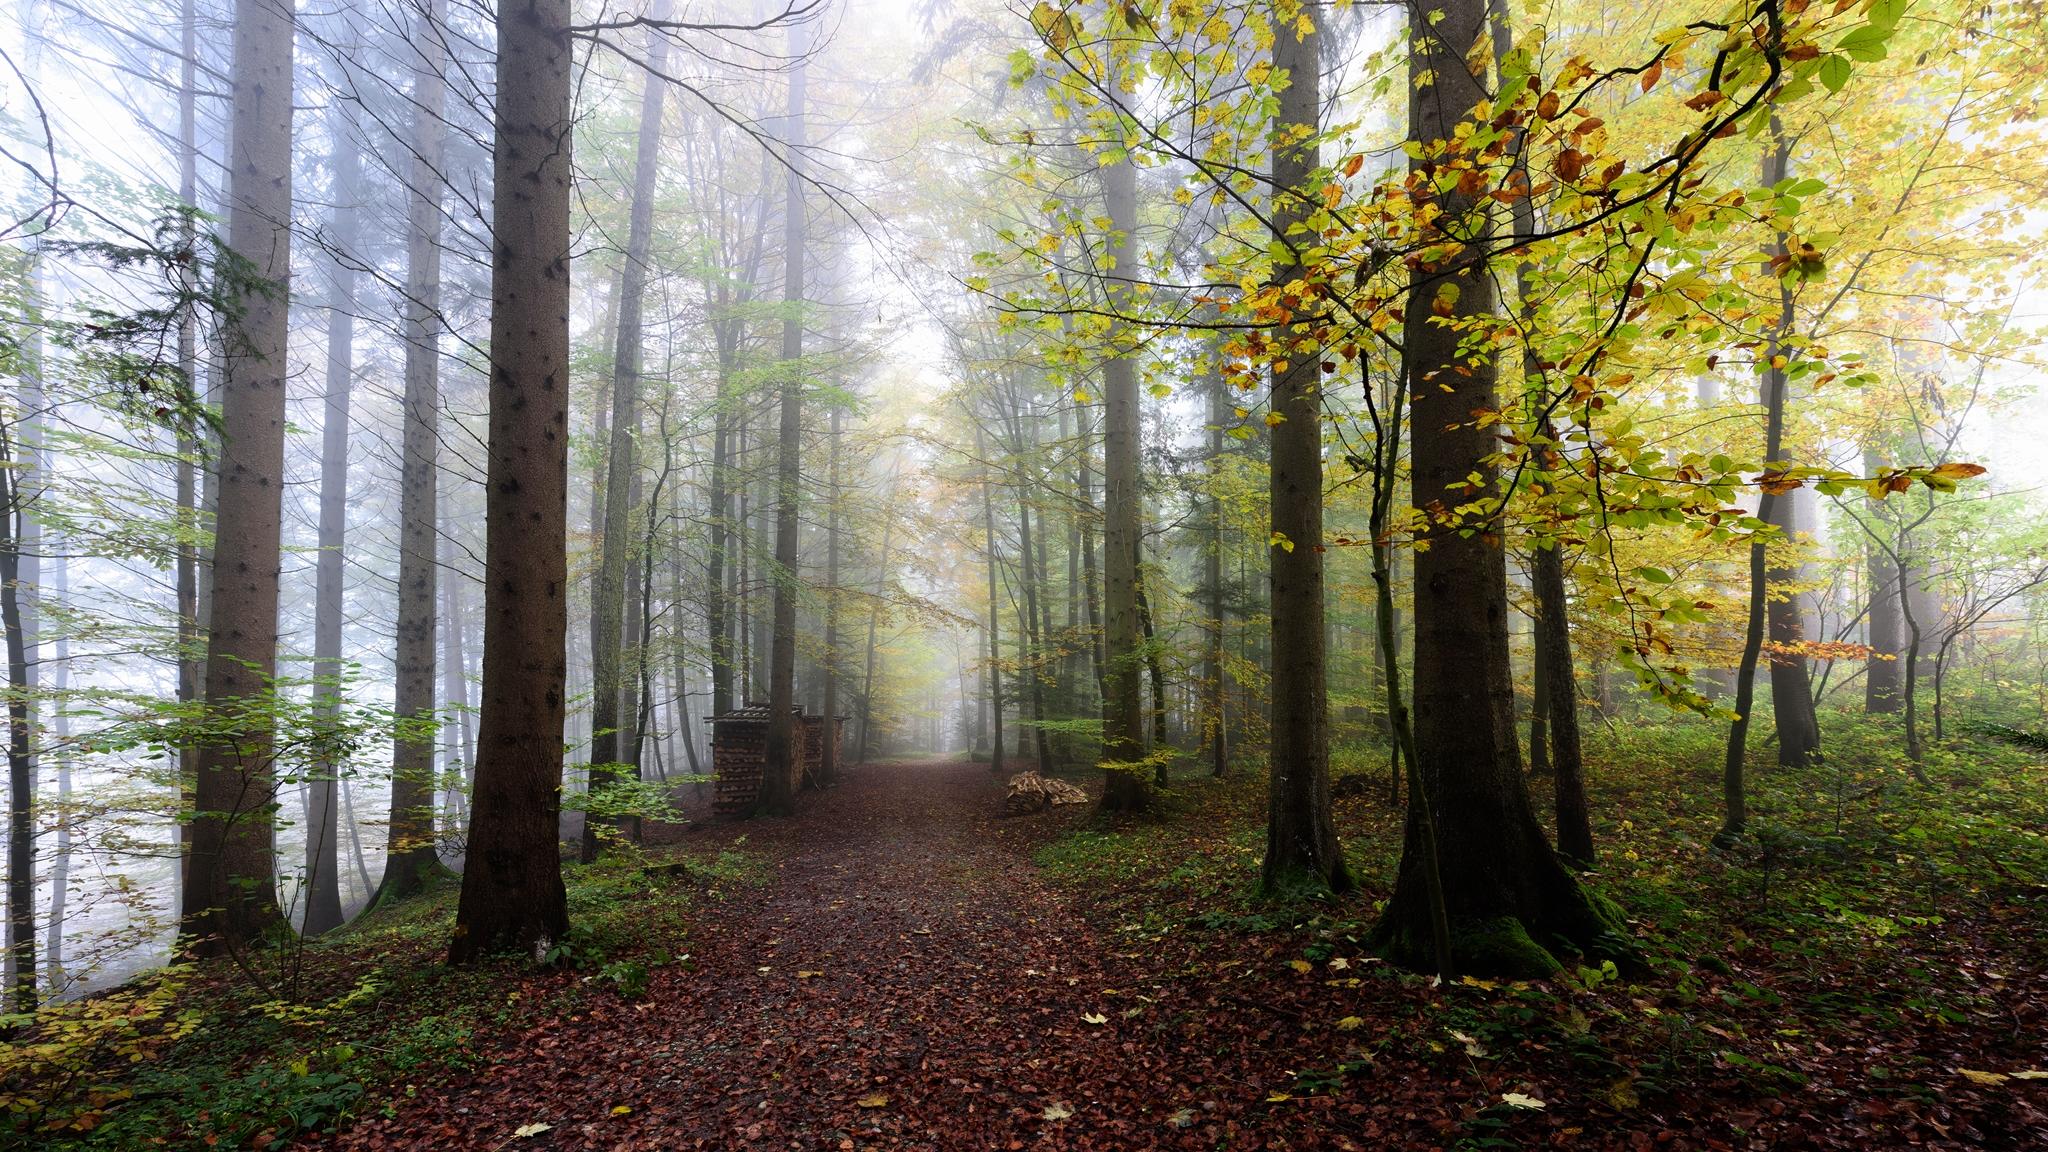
{"type": "Point", "coordinates": [1409, 497]}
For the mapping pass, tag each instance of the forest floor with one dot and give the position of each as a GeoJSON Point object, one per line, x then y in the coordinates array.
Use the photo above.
{"type": "Point", "coordinates": [919, 972]}
{"type": "Point", "coordinates": [902, 967]}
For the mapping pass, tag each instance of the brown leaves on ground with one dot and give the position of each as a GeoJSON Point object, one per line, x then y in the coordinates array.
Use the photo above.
{"type": "Point", "coordinates": [927, 988]}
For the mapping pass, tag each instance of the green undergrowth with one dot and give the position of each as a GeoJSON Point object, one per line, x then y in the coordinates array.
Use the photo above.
{"type": "Point", "coordinates": [216, 1054]}
{"type": "Point", "coordinates": [1842, 914]}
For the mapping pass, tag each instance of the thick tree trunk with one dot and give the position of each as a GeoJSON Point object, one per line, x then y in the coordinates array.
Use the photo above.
{"type": "Point", "coordinates": [411, 857]}
{"type": "Point", "coordinates": [1301, 835]}
{"type": "Point", "coordinates": [1507, 898]}
{"type": "Point", "coordinates": [322, 892]}
{"type": "Point", "coordinates": [1123, 722]}
{"type": "Point", "coordinates": [610, 729]}
{"type": "Point", "coordinates": [230, 888]}
{"type": "Point", "coordinates": [512, 894]}
{"type": "Point", "coordinates": [784, 751]}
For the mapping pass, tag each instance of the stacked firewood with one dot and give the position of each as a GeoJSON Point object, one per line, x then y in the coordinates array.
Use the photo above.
{"type": "Point", "coordinates": [1029, 792]}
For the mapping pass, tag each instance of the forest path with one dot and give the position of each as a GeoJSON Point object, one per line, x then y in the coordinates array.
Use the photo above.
{"type": "Point", "coordinates": [905, 981]}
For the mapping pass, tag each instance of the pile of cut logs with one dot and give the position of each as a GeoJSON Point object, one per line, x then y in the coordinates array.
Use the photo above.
{"type": "Point", "coordinates": [1030, 792]}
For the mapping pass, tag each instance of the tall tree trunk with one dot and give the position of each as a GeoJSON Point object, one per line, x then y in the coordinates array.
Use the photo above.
{"type": "Point", "coordinates": [1561, 701]}
{"type": "Point", "coordinates": [1216, 722]}
{"type": "Point", "coordinates": [322, 911]}
{"type": "Point", "coordinates": [190, 523]}
{"type": "Point", "coordinates": [610, 729]}
{"type": "Point", "coordinates": [995, 615]}
{"type": "Point", "coordinates": [1503, 888]}
{"type": "Point", "coordinates": [1791, 687]}
{"type": "Point", "coordinates": [512, 894]}
{"type": "Point", "coordinates": [726, 440]}
{"type": "Point", "coordinates": [230, 887]}
{"type": "Point", "coordinates": [21, 781]}
{"type": "Point", "coordinates": [411, 857]}
{"type": "Point", "coordinates": [1301, 836]}
{"type": "Point", "coordinates": [1883, 674]}
{"type": "Point", "coordinates": [1791, 699]}
{"type": "Point", "coordinates": [1091, 582]}
{"type": "Point", "coordinates": [784, 747]}
{"type": "Point", "coordinates": [460, 757]}
{"type": "Point", "coordinates": [678, 641]}
{"type": "Point", "coordinates": [828, 767]}
{"type": "Point", "coordinates": [60, 732]}
{"type": "Point", "coordinates": [1123, 722]}
{"type": "Point", "coordinates": [867, 689]}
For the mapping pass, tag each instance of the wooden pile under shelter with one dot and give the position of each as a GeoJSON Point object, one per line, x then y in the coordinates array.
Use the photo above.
{"type": "Point", "coordinates": [739, 754]}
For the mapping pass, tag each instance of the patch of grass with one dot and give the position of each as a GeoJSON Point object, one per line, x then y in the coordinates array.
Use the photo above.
{"type": "Point", "coordinates": [198, 1051]}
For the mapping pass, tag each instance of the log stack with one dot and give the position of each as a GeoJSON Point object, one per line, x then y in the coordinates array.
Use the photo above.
{"type": "Point", "coordinates": [1029, 792]}
{"type": "Point", "coordinates": [739, 751]}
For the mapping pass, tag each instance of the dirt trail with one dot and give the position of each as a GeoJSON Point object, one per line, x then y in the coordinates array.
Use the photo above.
{"type": "Point", "coordinates": [905, 981]}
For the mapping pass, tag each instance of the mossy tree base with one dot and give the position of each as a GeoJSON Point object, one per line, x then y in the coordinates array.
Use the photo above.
{"type": "Point", "coordinates": [1572, 922]}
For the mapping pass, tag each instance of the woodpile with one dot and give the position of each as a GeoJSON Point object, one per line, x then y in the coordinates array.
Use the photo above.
{"type": "Point", "coordinates": [739, 749]}
{"type": "Point", "coordinates": [739, 752]}
{"type": "Point", "coordinates": [1030, 792]}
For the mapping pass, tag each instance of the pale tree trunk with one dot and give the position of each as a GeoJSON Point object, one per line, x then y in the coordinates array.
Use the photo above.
{"type": "Point", "coordinates": [1301, 835]}
{"type": "Point", "coordinates": [828, 768]}
{"type": "Point", "coordinates": [230, 887]}
{"type": "Point", "coordinates": [1123, 722]}
{"type": "Point", "coordinates": [679, 652]}
{"type": "Point", "coordinates": [1506, 898]}
{"type": "Point", "coordinates": [460, 734]}
{"type": "Point", "coordinates": [995, 615]}
{"type": "Point", "coordinates": [512, 894]}
{"type": "Point", "coordinates": [784, 749]}
{"type": "Point", "coordinates": [190, 525]}
{"type": "Point", "coordinates": [1882, 678]}
{"type": "Point", "coordinates": [611, 741]}
{"type": "Point", "coordinates": [1091, 580]}
{"type": "Point", "coordinates": [60, 733]}
{"type": "Point", "coordinates": [411, 855]}
{"type": "Point", "coordinates": [322, 892]}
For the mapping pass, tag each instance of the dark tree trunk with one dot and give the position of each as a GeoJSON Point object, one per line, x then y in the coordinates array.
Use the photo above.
{"type": "Point", "coordinates": [784, 751]}
{"type": "Point", "coordinates": [1301, 835]}
{"type": "Point", "coordinates": [828, 766]}
{"type": "Point", "coordinates": [512, 894]}
{"type": "Point", "coordinates": [1561, 702]}
{"type": "Point", "coordinates": [1216, 683]}
{"type": "Point", "coordinates": [1508, 900]}
{"type": "Point", "coordinates": [230, 889]}
{"type": "Point", "coordinates": [1123, 723]}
